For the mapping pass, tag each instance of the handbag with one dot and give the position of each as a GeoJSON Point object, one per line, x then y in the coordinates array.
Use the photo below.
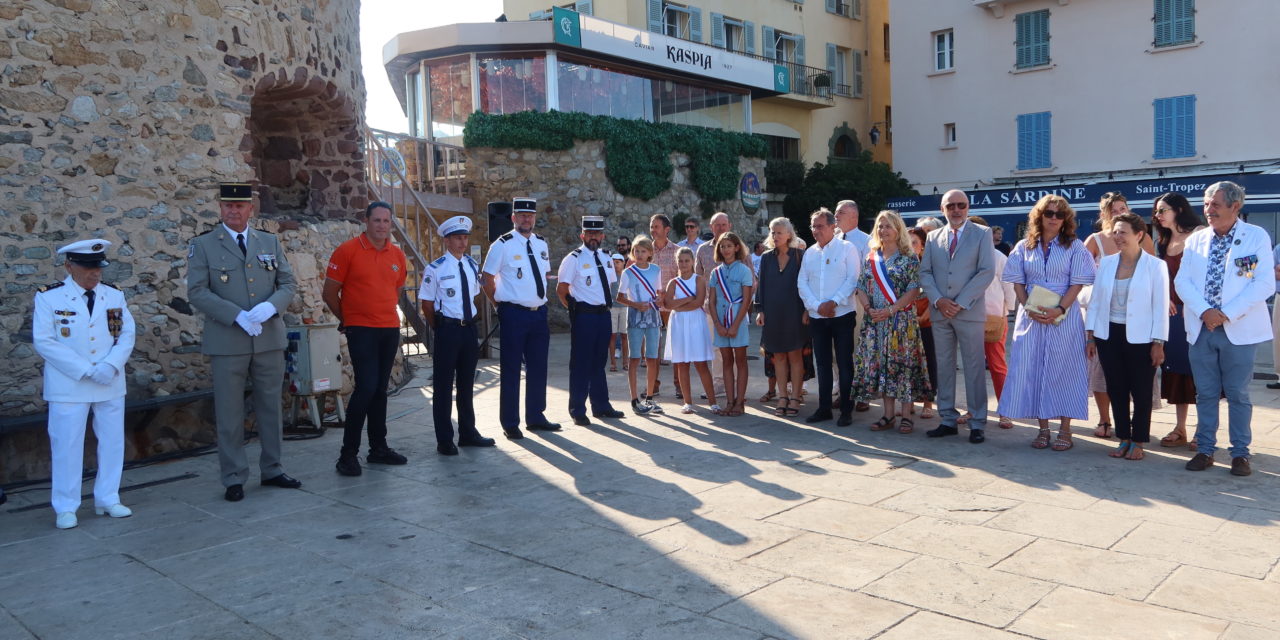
{"type": "Point", "coordinates": [1042, 300]}
{"type": "Point", "coordinates": [993, 330]}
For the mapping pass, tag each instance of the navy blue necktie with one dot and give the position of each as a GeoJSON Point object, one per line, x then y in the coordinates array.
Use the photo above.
{"type": "Point", "coordinates": [466, 294]}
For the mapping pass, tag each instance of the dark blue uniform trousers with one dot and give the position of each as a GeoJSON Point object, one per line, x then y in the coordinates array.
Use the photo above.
{"type": "Point", "coordinates": [525, 340]}
{"type": "Point", "coordinates": [456, 353]}
{"type": "Point", "coordinates": [588, 353]}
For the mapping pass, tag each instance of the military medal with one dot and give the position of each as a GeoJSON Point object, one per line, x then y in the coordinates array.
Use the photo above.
{"type": "Point", "coordinates": [449, 292]}
{"type": "Point", "coordinates": [223, 277]}
{"type": "Point", "coordinates": [544, 255]}
{"type": "Point", "coordinates": [66, 332]}
{"type": "Point", "coordinates": [115, 322]}
{"type": "Point", "coordinates": [519, 274]}
{"type": "Point", "coordinates": [588, 281]}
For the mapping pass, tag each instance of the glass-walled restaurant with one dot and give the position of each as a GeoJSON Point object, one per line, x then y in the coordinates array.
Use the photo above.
{"type": "Point", "coordinates": [442, 92]}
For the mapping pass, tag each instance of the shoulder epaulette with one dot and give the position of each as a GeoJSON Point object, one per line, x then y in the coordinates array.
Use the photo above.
{"type": "Point", "coordinates": [576, 252]}
{"type": "Point", "coordinates": [49, 287]}
{"type": "Point", "coordinates": [437, 262]}
{"type": "Point", "coordinates": [539, 237]}
{"type": "Point", "coordinates": [211, 230]}
{"type": "Point", "coordinates": [505, 237]}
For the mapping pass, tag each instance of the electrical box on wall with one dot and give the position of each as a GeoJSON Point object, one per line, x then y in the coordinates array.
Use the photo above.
{"type": "Point", "coordinates": [313, 359]}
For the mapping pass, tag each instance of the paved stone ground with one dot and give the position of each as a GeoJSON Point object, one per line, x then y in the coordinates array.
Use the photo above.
{"type": "Point", "coordinates": [670, 527]}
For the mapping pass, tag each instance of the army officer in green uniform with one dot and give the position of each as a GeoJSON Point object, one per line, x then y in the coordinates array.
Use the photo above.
{"type": "Point", "coordinates": [240, 280]}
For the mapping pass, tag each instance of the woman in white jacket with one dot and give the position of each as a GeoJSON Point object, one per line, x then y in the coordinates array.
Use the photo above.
{"type": "Point", "coordinates": [1127, 326]}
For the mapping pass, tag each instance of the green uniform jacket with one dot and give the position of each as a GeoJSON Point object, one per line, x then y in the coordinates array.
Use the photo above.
{"type": "Point", "coordinates": [221, 283]}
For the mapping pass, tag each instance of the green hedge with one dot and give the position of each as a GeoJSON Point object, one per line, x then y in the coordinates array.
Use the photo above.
{"type": "Point", "coordinates": [637, 153]}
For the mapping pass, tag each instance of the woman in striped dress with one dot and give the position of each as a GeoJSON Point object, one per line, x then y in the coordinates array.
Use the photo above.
{"type": "Point", "coordinates": [1048, 376]}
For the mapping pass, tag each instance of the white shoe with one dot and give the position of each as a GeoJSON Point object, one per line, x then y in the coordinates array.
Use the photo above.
{"type": "Point", "coordinates": [116, 510]}
{"type": "Point", "coordinates": [67, 520]}
{"type": "Point", "coordinates": [654, 407]}
{"type": "Point", "coordinates": [688, 408]}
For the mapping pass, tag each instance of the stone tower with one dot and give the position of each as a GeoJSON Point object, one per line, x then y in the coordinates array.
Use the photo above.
{"type": "Point", "coordinates": [118, 118]}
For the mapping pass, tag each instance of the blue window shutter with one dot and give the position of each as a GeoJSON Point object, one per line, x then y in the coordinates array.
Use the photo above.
{"type": "Point", "coordinates": [695, 24]}
{"type": "Point", "coordinates": [799, 50]}
{"type": "Point", "coordinates": [831, 64]}
{"type": "Point", "coordinates": [717, 30]}
{"type": "Point", "coordinates": [857, 72]}
{"type": "Point", "coordinates": [1163, 20]}
{"type": "Point", "coordinates": [655, 16]}
{"type": "Point", "coordinates": [1024, 141]}
{"type": "Point", "coordinates": [1042, 37]}
{"type": "Point", "coordinates": [1163, 128]}
{"type": "Point", "coordinates": [749, 36]}
{"type": "Point", "coordinates": [831, 6]}
{"type": "Point", "coordinates": [1184, 21]}
{"type": "Point", "coordinates": [1023, 42]}
{"type": "Point", "coordinates": [1044, 141]}
{"type": "Point", "coordinates": [769, 46]}
{"type": "Point", "coordinates": [1186, 126]}
{"type": "Point", "coordinates": [583, 7]}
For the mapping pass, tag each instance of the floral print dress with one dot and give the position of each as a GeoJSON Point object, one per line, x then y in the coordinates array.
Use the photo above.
{"type": "Point", "coordinates": [890, 359]}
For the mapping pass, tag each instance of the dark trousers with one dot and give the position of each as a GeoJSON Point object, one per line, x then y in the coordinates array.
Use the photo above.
{"type": "Point", "coordinates": [1130, 375]}
{"type": "Point", "coordinates": [372, 351]}
{"type": "Point", "coordinates": [526, 338]}
{"type": "Point", "coordinates": [588, 353]}
{"type": "Point", "coordinates": [930, 356]}
{"type": "Point", "coordinates": [833, 336]}
{"type": "Point", "coordinates": [456, 352]}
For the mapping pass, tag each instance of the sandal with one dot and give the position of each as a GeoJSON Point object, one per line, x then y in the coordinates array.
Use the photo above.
{"type": "Point", "coordinates": [883, 424]}
{"type": "Point", "coordinates": [1174, 439]}
{"type": "Point", "coordinates": [781, 409]}
{"type": "Point", "coordinates": [926, 413]}
{"type": "Point", "coordinates": [1005, 423]}
{"type": "Point", "coordinates": [1103, 430]}
{"type": "Point", "coordinates": [613, 367]}
{"type": "Point", "coordinates": [1063, 441]}
{"type": "Point", "coordinates": [905, 425]}
{"type": "Point", "coordinates": [1042, 440]}
{"type": "Point", "coordinates": [739, 408]}
{"type": "Point", "coordinates": [1135, 452]}
{"type": "Point", "coordinates": [1121, 451]}
{"type": "Point", "coordinates": [769, 397]}
{"type": "Point", "coordinates": [794, 411]}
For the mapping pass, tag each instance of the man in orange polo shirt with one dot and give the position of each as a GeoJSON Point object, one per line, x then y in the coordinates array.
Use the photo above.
{"type": "Point", "coordinates": [362, 289]}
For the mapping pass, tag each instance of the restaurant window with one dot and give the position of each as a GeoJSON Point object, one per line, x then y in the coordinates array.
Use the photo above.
{"type": "Point", "coordinates": [450, 87]}
{"type": "Point", "coordinates": [513, 84]}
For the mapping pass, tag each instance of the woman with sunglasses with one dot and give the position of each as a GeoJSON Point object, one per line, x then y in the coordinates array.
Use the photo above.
{"type": "Point", "coordinates": [1048, 376]}
{"type": "Point", "coordinates": [1175, 220]}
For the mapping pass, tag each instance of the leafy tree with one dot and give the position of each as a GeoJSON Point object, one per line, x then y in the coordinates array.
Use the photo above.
{"type": "Point", "coordinates": [861, 179]}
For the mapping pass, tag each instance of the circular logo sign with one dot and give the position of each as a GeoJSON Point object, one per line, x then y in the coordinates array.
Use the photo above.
{"type": "Point", "coordinates": [390, 166]}
{"type": "Point", "coordinates": [749, 189]}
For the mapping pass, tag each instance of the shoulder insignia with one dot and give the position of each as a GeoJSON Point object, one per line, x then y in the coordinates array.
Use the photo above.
{"type": "Point", "coordinates": [49, 287]}
{"type": "Point", "coordinates": [539, 237]}
{"type": "Point", "coordinates": [505, 237]}
{"type": "Point", "coordinates": [437, 262]}
{"type": "Point", "coordinates": [576, 252]}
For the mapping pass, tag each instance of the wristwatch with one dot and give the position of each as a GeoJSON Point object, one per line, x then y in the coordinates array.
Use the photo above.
{"type": "Point", "coordinates": [1064, 311]}
{"type": "Point", "coordinates": [1157, 341]}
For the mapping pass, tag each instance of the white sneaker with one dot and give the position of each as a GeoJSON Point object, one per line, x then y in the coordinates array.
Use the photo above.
{"type": "Point", "coordinates": [116, 510]}
{"type": "Point", "coordinates": [653, 406]}
{"type": "Point", "coordinates": [67, 520]}
{"type": "Point", "coordinates": [688, 408]}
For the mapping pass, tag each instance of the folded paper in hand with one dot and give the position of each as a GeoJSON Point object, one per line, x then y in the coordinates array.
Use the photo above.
{"type": "Point", "coordinates": [1042, 300]}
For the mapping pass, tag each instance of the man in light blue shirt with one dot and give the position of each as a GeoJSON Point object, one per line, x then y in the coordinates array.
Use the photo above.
{"type": "Point", "coordinates": [1275, 324]}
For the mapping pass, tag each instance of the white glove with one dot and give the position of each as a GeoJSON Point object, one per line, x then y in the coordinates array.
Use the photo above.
{"type": "Point", "coordinates": [102, 373]}
{"type": "Point", "coordinates": [262, 312]}
{"type": "Point", "coordinates": [250, 327]}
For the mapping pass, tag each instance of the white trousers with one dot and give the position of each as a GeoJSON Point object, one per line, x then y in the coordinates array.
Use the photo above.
{"type": "Point", "coordinates": [66, 439]}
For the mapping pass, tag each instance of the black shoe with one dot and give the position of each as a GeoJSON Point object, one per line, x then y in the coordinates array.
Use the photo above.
{"type": "Point", "coordinates": [545, 426]}
{"type": "Point", "coordinates": [477, 441]}
{"type": "Point", "coordinates": [385, 455]}
{"type": "Point", "coordinates": [283, 481]}
{"type": "Point", "coordinates": [348, 465]}
{"type": "Point", "coordinates": [819, 416]}
{"type": "Point", "coordinates": [446, 449]}
{"type": "Point", "coordinates": [513, 434]}
{"type": "Point", "coordinates": [845, 420]}
{"type": "Point", "coordinates": [942, 430]}
{"type": "Point", "coordinates": [1240, 466]}
{"type": "Point", "coordinates": [977, 436]}
{"type": "Point", "coordinates": [1273, 385]}
{"type": "Point", "coordinates": [1199, 462]}
{"type": "Point", "coordinates": [612, 413]}
{"type": "Point", "coordinates": [235, 493]}
{"type": "Point", "coordinates": [581, 421]}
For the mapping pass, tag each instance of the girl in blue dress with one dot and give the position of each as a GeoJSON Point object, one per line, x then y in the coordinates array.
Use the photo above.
{"type": "Point", "coordinates": [732, 283]}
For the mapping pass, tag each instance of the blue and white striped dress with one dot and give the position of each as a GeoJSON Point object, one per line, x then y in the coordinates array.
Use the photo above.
{"type": "Point", "coordinates": [1048, 376]}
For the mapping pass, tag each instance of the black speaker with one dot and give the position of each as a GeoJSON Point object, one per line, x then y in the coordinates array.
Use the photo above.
{"type": "Point", "coordinates": [499, 219]}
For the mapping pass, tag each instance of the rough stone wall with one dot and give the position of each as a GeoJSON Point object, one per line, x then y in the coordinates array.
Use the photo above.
{"type": "Point", "coordinates": [570, 184]}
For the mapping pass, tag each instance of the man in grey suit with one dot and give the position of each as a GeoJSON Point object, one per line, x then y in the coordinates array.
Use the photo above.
{"type": "Point", "coordinates": [239, 278]}
{"type": "Point", "coordinates": [956, 268]}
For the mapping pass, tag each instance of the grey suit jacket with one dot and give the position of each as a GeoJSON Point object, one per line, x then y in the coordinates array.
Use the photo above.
{"type": "Point", "coordinates": [221, 283]}
{"type": "Point", "coordinates": [962, 278]}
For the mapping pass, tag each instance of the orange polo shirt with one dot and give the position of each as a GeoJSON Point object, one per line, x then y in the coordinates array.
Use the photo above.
{"type": "Point", "coordinates": [371, 281]}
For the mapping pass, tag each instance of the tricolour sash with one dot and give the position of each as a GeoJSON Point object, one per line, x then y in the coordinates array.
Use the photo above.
{"type": "Point", "coordinates": [880, 273]}
{"type": "Point", "coordinates": [684, 287]}
{"type": "Point", "coordinates": [727, 315]}
{"type": "Point", "coordinates": [644, 282]}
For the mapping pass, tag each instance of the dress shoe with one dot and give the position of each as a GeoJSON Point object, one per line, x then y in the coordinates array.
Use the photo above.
{"type": "Point", "coordinates": [514, 434]}
{"type": "Point", "coordinates": [548, 426]}
{"type": "Point", "coordinates": [610, 413]}
{"type": "Point", "coordinates": [819, 416]}
{"type": "Point", "coordinates": [1273, 385]}
{"type": "Point", "coordinates": [1200, 462]}
{"type": "Point", "coordinates": [977, 436]}
{"type": "Point", "coordinates": [235, 493]}
{"type": "Point", "coordinates": [385, 455]}
{"type": "Point", "coordinates": [581, 421]}
{"type": "Point", "coordinates": [348, 465]}
{"type": "Point", "coordinates": [67, 520]}
{"type": "Point", "coordinates": [942, 430]}
{"type": "Point", "coordinates": [477, 441]}
{"type": "Point", "coordinates": [116, 510]}
{"type": "Point", "coordinates": [3, 497]}
{"type": "Point", "coordinates": [845, 420]}
{"type": "Point", "coordinates": [1240, 466]}
{"type": "Point", "coordinates": [861, 406]}
{"type": "Point", "coordinates": [284, 481]}
{"type": "Point", "coordinates": [446, 449]}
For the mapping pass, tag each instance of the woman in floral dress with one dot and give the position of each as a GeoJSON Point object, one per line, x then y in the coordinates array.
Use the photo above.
{"type": "Point", "coordinates": [890, 361]}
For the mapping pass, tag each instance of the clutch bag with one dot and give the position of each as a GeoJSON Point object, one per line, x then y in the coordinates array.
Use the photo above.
{"type": "Point", "coordinates": [1041, 300]}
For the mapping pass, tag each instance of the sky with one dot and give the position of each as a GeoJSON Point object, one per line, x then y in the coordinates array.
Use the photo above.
{"type": "Point", "coordinates": [380, 21]}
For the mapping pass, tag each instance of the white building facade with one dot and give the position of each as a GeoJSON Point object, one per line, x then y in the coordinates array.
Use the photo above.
{"type": "Point", "coordinates": [992, 94]}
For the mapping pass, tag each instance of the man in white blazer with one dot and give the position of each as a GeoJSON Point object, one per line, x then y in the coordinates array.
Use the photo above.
{"type": "Point", "coordinates": [83, 330]}
{"type": "Point", "coordinates": [1224, 283]}
{"type": "Point", "coordinates": [955, 271]}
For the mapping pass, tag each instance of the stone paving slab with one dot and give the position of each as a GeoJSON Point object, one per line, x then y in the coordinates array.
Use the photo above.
{"type": "Point", "coordinates": [669, 526]}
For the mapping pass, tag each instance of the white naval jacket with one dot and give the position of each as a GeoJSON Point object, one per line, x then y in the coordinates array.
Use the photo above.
{"type": "Point", "coordinates": [1244, 295]}
{"type": "Point", "coordinates": [71, 341]}
{"type": "Point", "coordinates": [1146, 314]}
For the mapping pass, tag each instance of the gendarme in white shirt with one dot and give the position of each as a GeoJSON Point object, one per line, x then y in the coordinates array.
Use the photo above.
{"type": "Point", "coordinates": [829, 273]}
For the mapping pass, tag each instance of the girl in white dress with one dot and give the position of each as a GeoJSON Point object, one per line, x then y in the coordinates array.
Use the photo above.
{"type": "Point", "coordinates": [688, 336]}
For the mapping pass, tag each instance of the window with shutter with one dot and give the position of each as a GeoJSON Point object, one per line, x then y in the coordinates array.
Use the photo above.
{"type": "Point", "coordinates": [1034, 141]}
{"type": "Point", "coordinates": [1175, 127]}
{"type": "Point", "coordinates": [717, 31]}
{"type": "Point", "coordinates": [655, 16]}
{"type": "Point", "coordinates": [749, 36]}
{"type": "Point", "coordinates": [857, 73]}
{"type": "Point", "coordinates": [583, 7]}
{"type": "Point", "coordinates": [1175, 22]}
{"type": "Point", "coordinates": [1032, 38]}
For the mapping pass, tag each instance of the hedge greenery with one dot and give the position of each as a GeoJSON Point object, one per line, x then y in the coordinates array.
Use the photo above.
{"type": "Point", "coordinates": [637, 153]}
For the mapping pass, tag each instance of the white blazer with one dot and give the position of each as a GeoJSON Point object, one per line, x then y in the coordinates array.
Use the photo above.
{"type": "Point", "coordinates": [1244, 295]}
{"type": "Point", "coordinates": [1146, 314]}
{"type": "Point", "coordinates": [71, 341]}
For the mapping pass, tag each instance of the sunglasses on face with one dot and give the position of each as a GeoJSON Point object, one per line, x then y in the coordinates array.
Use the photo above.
{"type": "Point", "coordinates": [1050, 213]}
{"type": "Point", "coordinates": [957, 205]}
